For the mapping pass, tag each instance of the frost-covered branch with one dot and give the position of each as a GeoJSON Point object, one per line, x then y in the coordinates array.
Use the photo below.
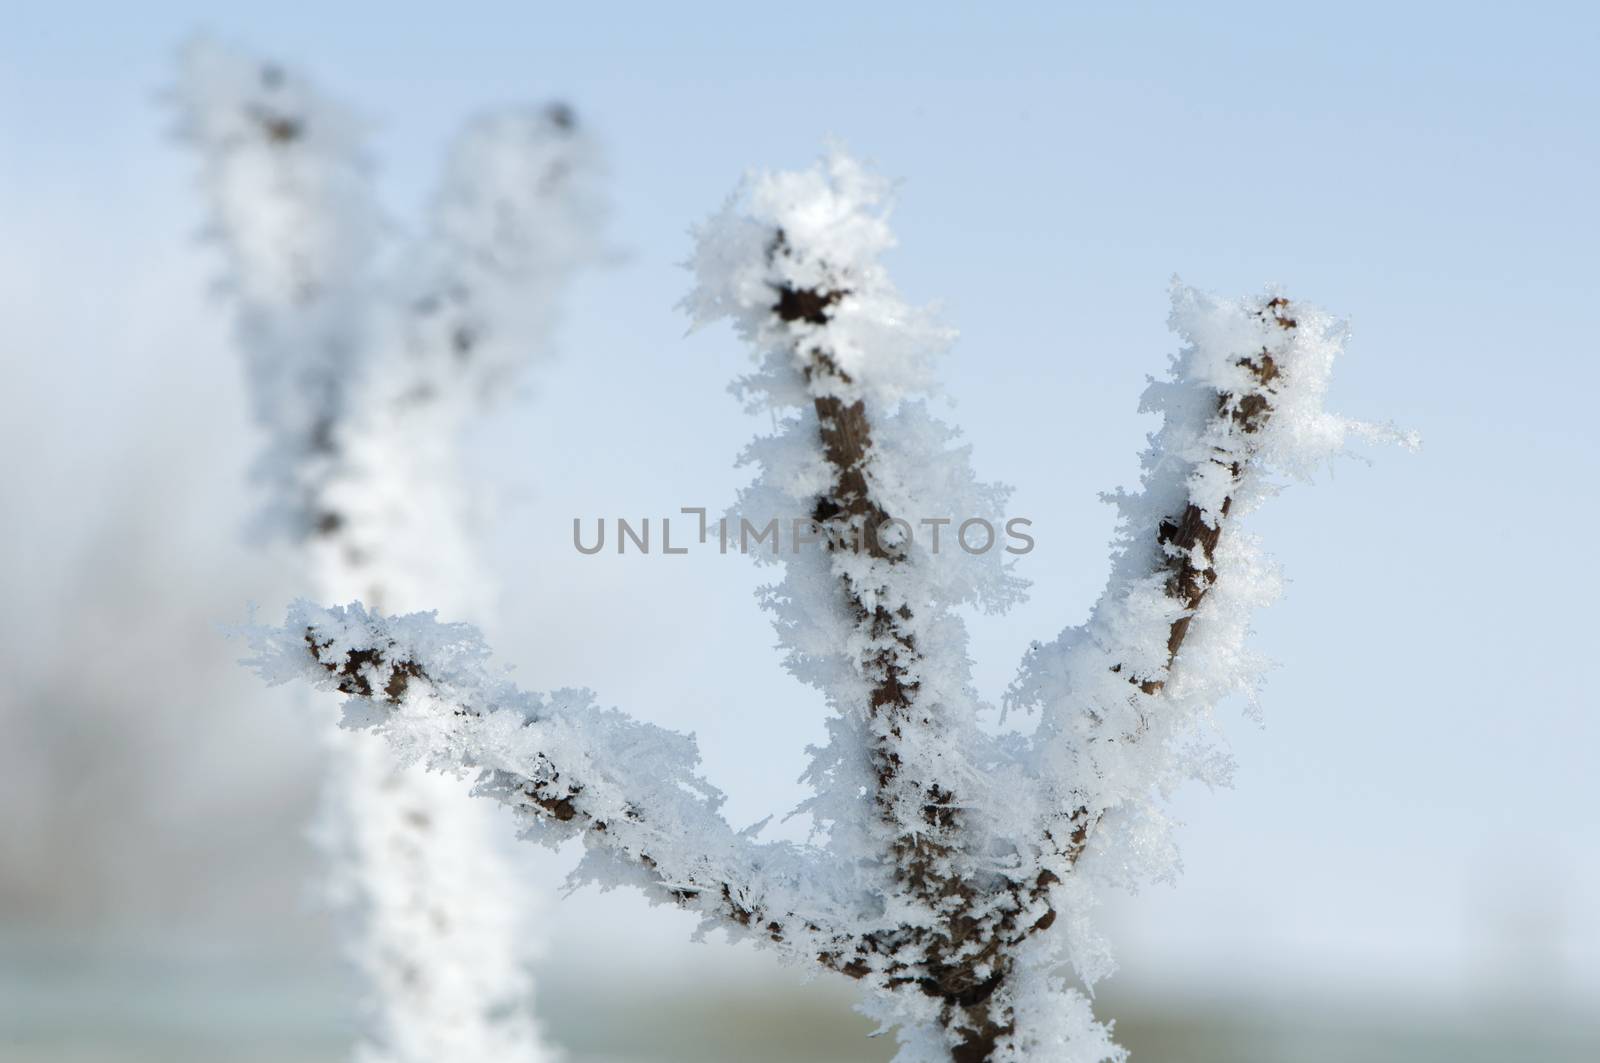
{"type": "Point", "coordinates": [367, 362]}
{"type": "Point", "coordinates": [1126, 698]}
{"type": "Point", "coordinates": [869, 618]}
{"type": "Point", "coordinates": [567, 767]}
{"type": "Point", "coordinates": [292, 207]}
{"type": "Point", "coordinates": [466, 307]}
{"type": "Point", "coordinates": [956, 869]}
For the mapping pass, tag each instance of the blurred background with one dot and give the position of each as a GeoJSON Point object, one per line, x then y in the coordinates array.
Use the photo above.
{"type": "Point", "coordinates": [1407, 866]}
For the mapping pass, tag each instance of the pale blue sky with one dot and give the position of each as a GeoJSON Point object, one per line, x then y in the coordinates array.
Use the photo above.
{"type": "Point", "coordinates": [1425, 779]}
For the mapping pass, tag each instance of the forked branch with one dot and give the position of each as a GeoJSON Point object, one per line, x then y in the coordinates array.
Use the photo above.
{"type": "Point", "coordinates": [947, 856]}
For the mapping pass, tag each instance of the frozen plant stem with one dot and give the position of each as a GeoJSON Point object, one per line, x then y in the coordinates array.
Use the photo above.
{"type": "Point", "coordinates": [953, 872]}
{"type": "Point", "coordinates": [1188, 539]}
{"type": "Point", "coordinates": [956, 957]}
{"type": "Point", "coordinates": [366, 363]}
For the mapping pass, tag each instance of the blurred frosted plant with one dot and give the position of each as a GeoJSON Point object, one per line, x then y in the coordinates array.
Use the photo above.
{"type": "Point", "coordinates": [366, 361]}
{"type": "Point", "coordinates": [953, 871]}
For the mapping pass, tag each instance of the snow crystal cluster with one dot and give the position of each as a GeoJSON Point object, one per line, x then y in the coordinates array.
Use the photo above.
{"type": "Point", "coordinates": [368, 353]}
{"type": "Point", "coordinates": [953, 873]}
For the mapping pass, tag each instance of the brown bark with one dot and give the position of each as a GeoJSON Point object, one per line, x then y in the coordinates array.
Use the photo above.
{"type": "Point", "coordinates": [1187, 535]}
{"type": "Point", "coordinates": [848, 517]}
